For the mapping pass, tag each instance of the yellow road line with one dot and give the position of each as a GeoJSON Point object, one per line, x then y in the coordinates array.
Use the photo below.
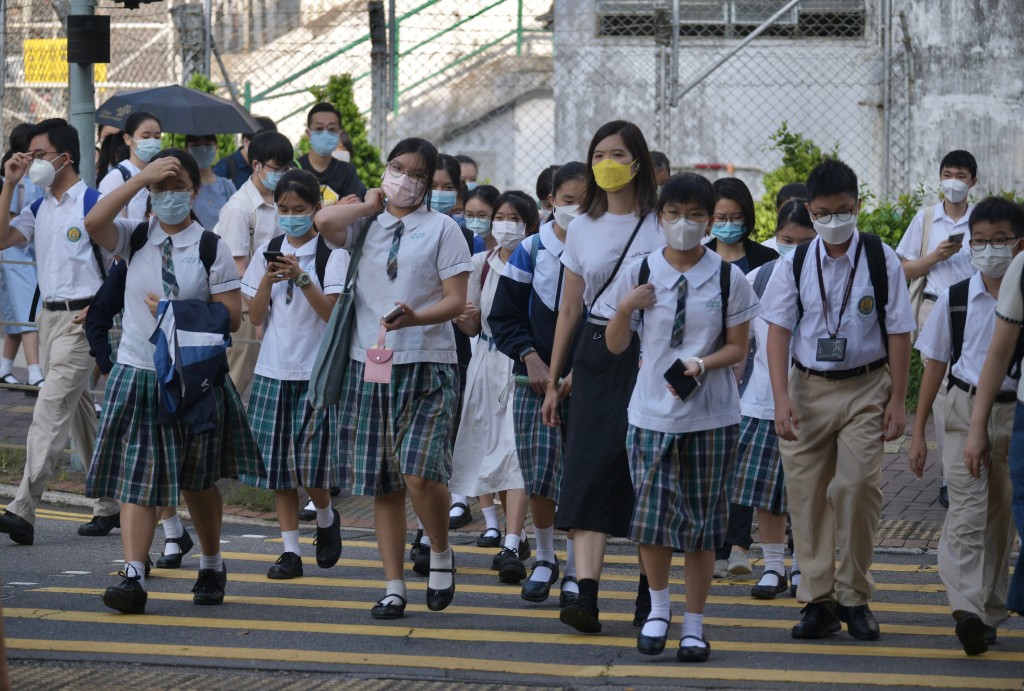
{"type": "Point", "coordinates": [516, 667]}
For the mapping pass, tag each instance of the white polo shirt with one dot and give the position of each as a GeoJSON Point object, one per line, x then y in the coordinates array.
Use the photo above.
{"type": "Point", "coordinates": [716, 403]}
{"type": "Point", "coordinates": [136, 208]}
{"type": "Point", "coordinates": [293, 331]}
{"type": "Point", "coordinates": [145, 275]}
{"type": "Point", "coordinates": [953, 270]}
{"type": "Point", "coordinates": [432, 249]}
{"type": "Point", "coordinates": [757, 400]}
{"type": "Point", "coordinates": [236, 221]}
{"type": "Point", "coordinates": [1010, 306]}
{"type": "Point", "coordinates": [864, 343]}
{"type": "Point", "coordinates": [66, 265]}
{"type": "Point", "coordinates": [592, 246]}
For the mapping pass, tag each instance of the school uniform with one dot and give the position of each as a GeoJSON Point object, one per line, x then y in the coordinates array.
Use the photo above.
{"type": "Point", "coordinates": [834, 468]}
{"type": "Point", "coordinates": [403, 428]}
{"type": "Point", "coordinates": [69, 276]}
{"type": "Point", "coordinates": [136, 459]}
{"type": "Point", "coordinates": [136, 207]}
{"type": "Point", "coordinates": [681, 453]}
{"type": "Point", "coordinates": [977, 534]}
{"type": "Point", "coordinates": [298, 444]}
{"type": "Point", "coordinates": [596, 492]}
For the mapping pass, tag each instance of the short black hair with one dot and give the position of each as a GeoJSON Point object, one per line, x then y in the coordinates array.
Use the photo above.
{"type": "Point", "coordinates": [793, 210]}
{"type": "Point", "coordinates": [688, 188]}
{"type": "Point", "coordinates": [736, 190]}
{"type": "Point", "coordinates": [792, 190]}
{"type": "Point", "coordinates": [573, 170]}
{"type": "Point", "coordinates": [265, 125]}
{"type": "Point", "coordinates": [322, 107]}
{"type": "Point", "coordinates": [660, 161]}
{"type": "Point", "coordinates": [545, 182]}
{"type": "Point", "coordinates": [452, 167]}
{"type": "Point", "coordinates": [18, 141]}
{"type": "Point", "coordinates": [135, 120]}
{"type": "Point", "coordinates": [62, 136]}
{"type": "Point", "coordinates": [423, 149]}
{"type": "Point", "coordinates": [463, 158]}
{"type": "Point", "coordinates": [488, 194]}
{"type": "Point", "coordinates": [524, 205]}
{"type": "Point", "coordinates": [190, 138]}
{"type": "Point", "coordinates": [960, 159]}
{"type": "Point", "coordinates": [996, 210]}
{"type": "Point", "coordinates": [302, 183]}
{"type": "Point", "coordinates": [829, 177]}
{"type": "Point", "coordinates": [270, 147]}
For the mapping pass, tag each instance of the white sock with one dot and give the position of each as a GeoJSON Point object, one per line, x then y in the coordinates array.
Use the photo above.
{"type": "Point", "coordinates": [795, 566]}
{"type": "Point", "coordinates": [394, 588]}
{"type": "Point", "coordinates": [570, 559]}
{"type": "Point", "coordinates": [136, 568]}
{"type": "Point", "coordinates": [774, 560]}
{"type": "Point", "coordinates": [512, 543]}
{"type": "Point", "coordinates": [491, 517]}
{"type": "Point", "coordinates": [6, 366]}
{"type": "Point", "coordinates": [216, 562]}
{"type": "Point", "coordinates": [456, 499]}
{"type": "Point", "coordinates": [291, 541]}
{"type": "Point", "coordinates": [661, 609]}
{"type": "Point", "coordinates": [440, 560]}
{"type": "Point", "coordinates": [172, 529]}
{"type": "Point", "coordinates": [425, 540]}
{"type": "Point", "coordinates": [545, 539]}
{"type": "Point", "coordinates": [693, 628]}
{"type": "Point", "coordinates": [35, 373]}
{"type": "Point", "coordinates": [325, 516]}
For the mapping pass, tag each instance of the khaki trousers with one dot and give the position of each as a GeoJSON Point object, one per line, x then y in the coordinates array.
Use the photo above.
{"type": "Point", "coordinates": [977, 535]}
{"type": "Point", "coordinates": [939, 406]}
{"type": "Point", "coordinates": [64, 407]}
{"type": "Point", "coordinates": [242, 356]}
{"type": "Point", "coordinates": [833, 472]}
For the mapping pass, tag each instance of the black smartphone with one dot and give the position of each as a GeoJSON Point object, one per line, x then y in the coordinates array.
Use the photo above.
{"type": "Point", "coordinates": [394, 314]}
{"type": "Point", "coordinates": [272, 257]}
{"type": "Point", "coordinates": [684, 384]}
{"type": "Point", "coordinates": [957, 238]}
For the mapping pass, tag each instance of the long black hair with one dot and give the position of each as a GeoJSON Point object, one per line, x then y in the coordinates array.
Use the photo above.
{"type": "Point", "coordinates": [573, 170]}
{"type": "Point", "coordinates": [426, 151]}
{"type": "Point", "coordinates": [135, 120]}
{"type": "Point", "coordinates": [596, 201]}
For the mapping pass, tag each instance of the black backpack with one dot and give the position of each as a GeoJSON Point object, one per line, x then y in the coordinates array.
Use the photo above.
{"type": "Point", "coordinates": [323, 254]}
{"type": "Point", "coordinates": [958, 325]}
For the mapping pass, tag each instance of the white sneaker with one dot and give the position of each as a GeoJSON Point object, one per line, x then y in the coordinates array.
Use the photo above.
{"type": "Point", "coordinates": [739, 565]}
{"type": "Point", "coordinates": [721, 568]}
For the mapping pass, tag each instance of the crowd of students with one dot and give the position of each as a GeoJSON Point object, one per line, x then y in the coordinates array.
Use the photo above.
{"type": "Point", "coordinates": [642, 367]}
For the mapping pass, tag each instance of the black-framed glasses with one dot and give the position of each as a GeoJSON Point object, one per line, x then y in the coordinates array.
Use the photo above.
{"type": "Point", "coordinates": [841, 216]}
{"type": "Point", "coordinates": [997, 243]}
{"type": "Point", "coordinates": [695, 217]}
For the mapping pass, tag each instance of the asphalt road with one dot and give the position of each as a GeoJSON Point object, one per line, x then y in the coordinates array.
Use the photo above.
{"type": "Point", "coordinates": [316, 632]}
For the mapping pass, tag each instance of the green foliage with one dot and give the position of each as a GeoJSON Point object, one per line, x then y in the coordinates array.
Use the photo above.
{"type": "Point", "coordinates": [914, 382]}
{"type": "Point", "coordinates": [889, 218]}
{"type": "Point", "coordinates": [365, 156]}
{"type": "Point", "coordinates": [225, 142]}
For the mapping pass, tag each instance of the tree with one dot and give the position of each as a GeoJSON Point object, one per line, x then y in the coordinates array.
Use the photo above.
{"type": "Point", "coordinates": [365, 156]}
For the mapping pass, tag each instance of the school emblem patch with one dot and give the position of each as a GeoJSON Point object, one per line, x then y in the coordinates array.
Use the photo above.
{"type": "Point", "coordinates": [866, 305]}
{"type": "Point", "coordinates": [74, 234]}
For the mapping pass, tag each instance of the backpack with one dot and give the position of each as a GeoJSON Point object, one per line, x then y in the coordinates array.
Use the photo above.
{"type": "Point", "coordinates": [323, 254]}
{"type": "Point", "coordinates": [877, 273]}
{"type": "Point", "coordinates": [724, 285]}
{"type": "Point", "coordinates": [958, 322]}
{"type": "Point", "coordinates": [126, 174]}
{"type": "Point", "coordinates": [760, 284]}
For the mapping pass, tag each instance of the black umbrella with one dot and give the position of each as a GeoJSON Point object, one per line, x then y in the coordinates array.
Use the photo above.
{"type": "Point", "coordinates": [180, 110]}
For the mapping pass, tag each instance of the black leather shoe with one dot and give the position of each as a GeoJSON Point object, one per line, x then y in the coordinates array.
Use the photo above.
{"type": "Point", "coordinates": [438, 599]}
{"type": "Point", "coordinates": [768, 592]}
{"type": "Point", "coordinates": [307, 515]}
{"type": "Point", "coordinates": [860, 622]}
{"type": "Point", "coordinates": [944, 496]}
{"type": "Point", "coordinates": [419, 554]}
{"type": "Point", "coordinates": [465, 518]}
{"type": "Point", "coordinates": [489, 538]}
{"type": "Point", "coordinates": [209, 587]}
{"type": "Point", "coordinates": [173, 561]}
{"type": "Point", "coordinates": [693, 653]}
{"type": "Point", "coordinates": [524, 549]}
{"type": "Point", "coordinates": [539, 591]}
{"type": "Point", "coordinates": [582, 615]}
{"type": "Point", "coordinates": [510, 567]}
{"type": "Point", "coordinates": [819, 620]}
{"type": "Point", "coordinates": [389, 610]}
{"type": "Point", "coordinates": [417, 546]}
{"type": "Point", "coordinates": [641, 608]}
{"type": "Point", "coordinates": [19, 530]}
{"type": "Point", "coordinates": [287, 566]}
{"type": "Point", "coordinates": [100, 525]}
{"type": "Point", "coordinates": [792, 585]}
{"type": "Point", "coordinates": [970, 629]}
{"type": "Point", "coordinates": [328, 543]}
{"type": "Point", "coordinates": [652, 645]}
{"type": "Point", "coordinates": [568, 598]}
{"type": "Point", "coordinates": [990, 634]}
{"type": "Point", "coordinates": [128, 596]}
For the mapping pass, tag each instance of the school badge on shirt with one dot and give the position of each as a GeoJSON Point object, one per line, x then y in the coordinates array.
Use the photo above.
{"type": "Point", "coordinates": [866, 305]}
{"type": "Point", "coordinates": [74, 234]}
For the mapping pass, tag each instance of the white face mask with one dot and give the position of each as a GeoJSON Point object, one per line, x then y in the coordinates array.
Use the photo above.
{"type": "Point", "coordinates": [954, 190]}
{"type": "Point", "coordinates": [508, 233]}
{"type": "Point", "coordinates": [683, 234]}
{"type": "Point", "coordinates": [991, 261]}
{"type": "Point", "coordinates": [564, 215]}
{"type": "Point", "coordinates": [784, 249]}
{"type": "Point", "coordinates": [341, 155]}
{"type": "Point", "coordinates": [835, 232]}
{"type": "Point", "coordinates": [42, 172]}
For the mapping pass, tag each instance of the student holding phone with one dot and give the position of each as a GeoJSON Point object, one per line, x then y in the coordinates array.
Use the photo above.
{"type": "Point", "coordinates": [692, 311]}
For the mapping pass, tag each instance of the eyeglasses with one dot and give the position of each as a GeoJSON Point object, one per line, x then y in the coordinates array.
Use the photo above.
{"type": "Point", "coordinates": [841, 216]}
{"type": "Point", "coordinates": [998, 243]}
{"type": "Point", "coordinates": [417, 175]}
{"type": "Point", "coordinates": [695, 217]}
{"type": "Point", "coordinates": [723, 218]}
{"type": "Point", "coordinates": [283, 169]}
{"type": "Point", "coordinates": [39, 155]}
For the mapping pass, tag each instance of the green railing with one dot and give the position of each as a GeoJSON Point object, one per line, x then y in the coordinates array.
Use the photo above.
{"type": "Point", "coordinates": [276, 91]}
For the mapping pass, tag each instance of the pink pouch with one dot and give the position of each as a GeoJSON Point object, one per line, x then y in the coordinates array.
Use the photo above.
{"type": "Point", "coordinates": [378, 361]}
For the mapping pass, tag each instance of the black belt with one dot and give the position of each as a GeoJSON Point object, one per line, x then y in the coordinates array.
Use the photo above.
{"type": "Point", "coordinates": [66, 305]}
{"type": "Point", "coordinates": [841, 374]}
{"type": "Point", "coordinates": [931, 296]}
{"type": "Point", "coordinates": [1001, 397]}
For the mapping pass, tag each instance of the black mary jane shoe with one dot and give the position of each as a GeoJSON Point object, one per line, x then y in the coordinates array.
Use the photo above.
{"type": "Point", "coordinates": [652, 645]}
{"type": "Point", "coordinates": [641, 608]}
{"type": "Point", "coordinates": [389, 610]}
{"type": "Point", "coordinates": [693, 653]}
{"type": "Point", "coordinates": [328, 543]}
{"type": "Point", "coordinates": [489, 538]}
{"type": "Point", "coordinates": [465, 518]}
{"type": "Point", "coordinates": [173, 561]}
{"type": "Point", "coordinates": [768, 592]}
{"type": "Point", "coordinates": [539, 591]}
{"type": "Point", "coordinates": [568, 597]}
{"type": "Point", "coordinates": [438, 599]}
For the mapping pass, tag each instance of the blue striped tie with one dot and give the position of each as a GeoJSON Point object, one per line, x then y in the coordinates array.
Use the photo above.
{"type": "Point", "coordinates": [680, 321]}
{"type": "Point", "coordinates": [167, 269]}
{"type": "Point", "coordinates": [393, 254]}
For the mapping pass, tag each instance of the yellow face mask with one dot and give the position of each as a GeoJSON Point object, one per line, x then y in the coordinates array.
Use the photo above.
{"type": "Point", "coordinates": [612, 176]}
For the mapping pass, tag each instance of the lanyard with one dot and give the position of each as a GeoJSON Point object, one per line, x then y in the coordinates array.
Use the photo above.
{"type": "Point", "coordinates": [846, 295]}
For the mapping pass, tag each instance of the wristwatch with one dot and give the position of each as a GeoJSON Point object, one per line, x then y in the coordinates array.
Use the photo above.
{"type": "Point", "coordinates": [699, 361]}
{"type": "Point", "coordinates": [525, 352]}
{"type": "Point", "coordinates": [303, 280]}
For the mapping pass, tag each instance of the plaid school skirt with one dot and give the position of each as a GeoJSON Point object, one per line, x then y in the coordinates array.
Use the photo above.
{"type": "Point", "coordinates": [759, 479]}
{"type": "Point", "coordinates": [137, 461]}
{"type": "Point", "coordinates": [681, 482]}
{"type": "Point", "coordinates": [299, 445]}
{"type": "Point", "coordinates": [399, 429]}
{"type": "Point", "coordinates": [538, 446]}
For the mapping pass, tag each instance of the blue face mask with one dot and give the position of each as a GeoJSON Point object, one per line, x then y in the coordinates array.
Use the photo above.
{"type": "Point", "coordinates": [271, 178]}
{"type": "Point", "coordinates": [479, 226]}
{"type": "Point", "coordinates": [323, 142]}
{"type": "Point", "coordinates": [728, 233]}
{"type": "Point", "coordinates": [460, 219]}
{"type": "Point", "coordinates": [472, 185]}
{"type": "Point", "coordinates": [204, 155]}
{"type": "Point", "coordinates": [295, 226]}
{"type": "Point", "coordinates": [442, 201]}
{"type": "Point", "coordinates": [146, 149]}
{"type": "Point", "coordinates": [784, 249]}
{"type": "Point", "coordinates": [171, 208]}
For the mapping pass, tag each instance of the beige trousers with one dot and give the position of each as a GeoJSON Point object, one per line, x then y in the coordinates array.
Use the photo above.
{"type": "Point", "coordinates": [242, 356]}
{"type": "Point", "coordinates": [977, 535]}
{"type": "Point", "coordinates": [64, 407]}
{"type": "Point", "coordinates": [833, 472]}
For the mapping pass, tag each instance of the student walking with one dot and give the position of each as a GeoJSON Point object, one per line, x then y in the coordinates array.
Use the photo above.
{"type": "Point", "coordinates": [215, 191]}
{"type": "Point", "coordinates": [143, 136]}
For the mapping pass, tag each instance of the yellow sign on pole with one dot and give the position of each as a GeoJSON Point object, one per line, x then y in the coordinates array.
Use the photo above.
{"type": "Point", "coordinates": [46, 61]}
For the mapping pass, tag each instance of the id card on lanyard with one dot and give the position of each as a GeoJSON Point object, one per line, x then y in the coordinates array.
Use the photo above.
{"type": "Point", "coordinates": [833, 348]}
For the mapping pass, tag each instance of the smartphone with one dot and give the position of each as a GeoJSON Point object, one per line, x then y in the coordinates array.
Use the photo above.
{"type": "Point", "coordinates": [394, 314]}
{"type": "Point", "coordinates": [684, 385]}
{"type": "Point", "coordinates": [272, 257]}
{"type": "Point", "coordinates": [957, 238]}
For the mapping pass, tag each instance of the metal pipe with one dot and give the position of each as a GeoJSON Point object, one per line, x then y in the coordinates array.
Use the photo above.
{"type": "Point", "coordinates": [886, 25]}
{"type": "Point", "coordinates": [392, 56]}
{"type": "Point", "coordinates": [519, 29]}
{"type": "Point", "coordinates": [674, 43]}
{"type": "Point", "coordinates": [207, 37]}
{"type": "Point", "coordinates": [83, 101]}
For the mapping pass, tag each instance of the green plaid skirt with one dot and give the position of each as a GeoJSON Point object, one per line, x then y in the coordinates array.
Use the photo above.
{"type": "Point", "coordinates": [402, 428]}
{"type": "Point", "coordinates": [682, 486]}
{"type": "Point", "coordinates": [299, 445]}
{"type": "Point", "coordinates": [137, 461]}
{"type": "Point", "coordinates": [759, 479]}
{"type": "Point", "coordinates": [538, 446]}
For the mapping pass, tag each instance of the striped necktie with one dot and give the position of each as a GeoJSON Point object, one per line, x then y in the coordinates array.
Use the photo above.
{"type": "Point", "coordinates": [393, 254]}
{"type": "Point", "coordinates": [680, 320]}
{"type": "Point", "coordinates": [167, 269]}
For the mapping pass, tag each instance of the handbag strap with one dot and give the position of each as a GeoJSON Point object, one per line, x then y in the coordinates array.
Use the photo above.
{"type": "Point", "coordinates": [381, 334]}
{"type": "Point", "coordinates": [618, 264]}
{"type": "Point", "coordinates": [357, 252]}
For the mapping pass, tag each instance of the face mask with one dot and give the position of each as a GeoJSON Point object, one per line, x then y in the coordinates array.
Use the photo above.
{"type": "Point", "coordinates": [728, 233]}
{"type": "Point", "coordinates": [442, 201]}
{"type": "Point", "coordinates": [612, 176]}
{"type": "Point", "coordinates": [460, 219]}
{"type": "Point", "coordinates": [683, 234]}
{"type": "Point", "coordinates": [171, 207]}
{"type": "Point", "coordinates": [341, 156]}
{"type": "Point", "coordinates": [271, 178]}
{"type": "Point", "coordinates": [295, 226]}
{"type": "Point", "coordinates": [480, 226]}
{"type": "Point", "coordinates": [835, 232]}
{"type": "Point", "coordinates": [42, 172]}
{"type": "Point", "coordinates": [402, 190]}
{"type": "Point", "coordinates": [991, 261]}
{"type": "Point", "coordinates": [472, 185]}
{"type": "Point", "coordinates": [954, 190]}
{"type": "Point", "coordinates": [146, 149]}
{"type": "Point", "coordinates": [784, 249]}
{"type": "Point", "coordinates": [204, 155]}
{"type": "Point", "coordinates": [508, 233]}
{"type": "Point", "coordinates": [564, 215]}
{"type": "Point", "coordinates": [323, 142]}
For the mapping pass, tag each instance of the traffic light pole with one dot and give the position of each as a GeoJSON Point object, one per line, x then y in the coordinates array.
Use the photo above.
{"type": "Point", "coordinates": [83, 101]}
